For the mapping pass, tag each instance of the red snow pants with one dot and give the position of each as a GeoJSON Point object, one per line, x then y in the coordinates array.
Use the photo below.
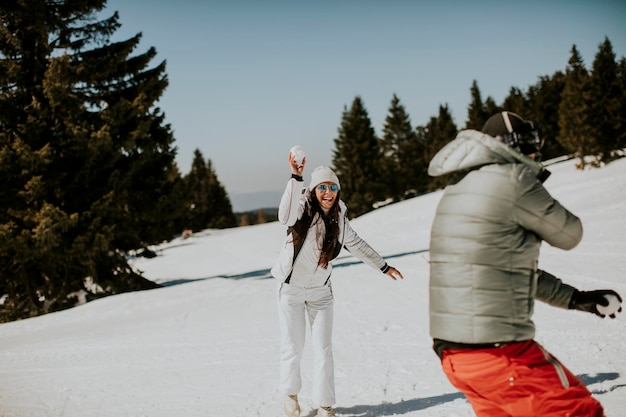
{"type": "Point", "coordinates": [520, 379]}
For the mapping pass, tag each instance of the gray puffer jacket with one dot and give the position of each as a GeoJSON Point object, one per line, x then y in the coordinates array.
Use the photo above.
{"type": "Point", "coordinates": [485, 242]}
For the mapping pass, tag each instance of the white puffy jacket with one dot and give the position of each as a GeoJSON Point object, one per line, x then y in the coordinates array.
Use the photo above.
{"type": "Point", "coordinates": [306, 271]}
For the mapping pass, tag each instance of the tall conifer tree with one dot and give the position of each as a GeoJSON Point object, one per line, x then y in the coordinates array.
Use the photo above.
{"type": "Point", "coordinates": [621, 75]}
{"type": "Point", "coordinates": [438, 132]}
{"type": "Point", "coordinates": [206, 199]}
{"type": "Point", "coordinates": [85, 156]}
{"type": "Point", "coordinates": [356, 160]}
{"type": "Point", "coordinates": [516, 102]}
{"type": "Point", "coordinates": [544, 99]}
{"type": "Point", "coordinates": [605, 93]}
{"type": "Point", "coordinates": [576, 133]}
{"type": "Point", "coordinates": [476, 112]}
{"type": "Point", "coordinates": [420, 180]}
{"type": "Point", "coordinates": [398, 143]}
{"type": "Point", "coordinates": [491, 108]}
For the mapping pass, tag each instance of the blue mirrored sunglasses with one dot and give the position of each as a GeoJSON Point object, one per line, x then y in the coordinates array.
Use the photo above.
{"type": "Point", "coordinates": [323, 188]}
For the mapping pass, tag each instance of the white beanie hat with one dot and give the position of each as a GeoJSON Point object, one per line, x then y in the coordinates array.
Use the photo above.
{"type": "Point", "coordinates": [323, 174]}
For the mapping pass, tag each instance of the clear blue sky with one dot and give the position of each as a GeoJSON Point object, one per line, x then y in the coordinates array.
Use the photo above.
{"type": "Point", "coordinates": [249, 79]}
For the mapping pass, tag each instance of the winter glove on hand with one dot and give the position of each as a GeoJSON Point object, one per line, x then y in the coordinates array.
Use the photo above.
{"type": "Point", "coordinates": [588, 301]}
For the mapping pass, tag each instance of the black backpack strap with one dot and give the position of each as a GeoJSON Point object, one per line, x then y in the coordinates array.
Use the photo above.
{"type": "Point", "coordinates": [296, 251]}
{"type": "Point", "coordinates": [297, 247]}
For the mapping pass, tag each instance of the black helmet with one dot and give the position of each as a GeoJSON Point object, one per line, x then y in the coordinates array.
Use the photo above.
{"type": "Point", "coordinates": [514, 131]}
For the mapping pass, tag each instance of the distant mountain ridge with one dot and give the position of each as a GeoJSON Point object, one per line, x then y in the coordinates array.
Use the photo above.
{"type": "Point", "coordinates": [242, 202]}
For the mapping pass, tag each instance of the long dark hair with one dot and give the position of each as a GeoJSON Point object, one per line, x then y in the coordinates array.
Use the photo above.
{"type": "Point", "coordinates": [331, 226]}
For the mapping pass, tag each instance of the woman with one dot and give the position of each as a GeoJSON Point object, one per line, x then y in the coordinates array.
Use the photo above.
{"type": "Point", "coordinates": [317, 230]}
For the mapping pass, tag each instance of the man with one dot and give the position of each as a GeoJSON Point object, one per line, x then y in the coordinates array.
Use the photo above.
{"type": "Point", "coordinates": [484, 251]}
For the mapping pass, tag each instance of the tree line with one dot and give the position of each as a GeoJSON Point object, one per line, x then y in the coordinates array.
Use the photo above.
{"type": "Point", "coordinates": [87, 160]}
{"type": "Point", "coordinates": [579, 112]}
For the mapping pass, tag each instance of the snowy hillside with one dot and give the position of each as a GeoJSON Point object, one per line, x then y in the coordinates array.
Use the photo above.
{"type": "Point", "coordinates": [207, 343]}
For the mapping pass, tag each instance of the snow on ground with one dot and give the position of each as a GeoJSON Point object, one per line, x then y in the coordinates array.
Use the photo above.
{"type": "Point", "coordinates": [207, 343]}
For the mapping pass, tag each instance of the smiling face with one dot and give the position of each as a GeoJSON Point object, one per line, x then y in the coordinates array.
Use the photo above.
{"type": "Point", "coordinates": [326, 194]}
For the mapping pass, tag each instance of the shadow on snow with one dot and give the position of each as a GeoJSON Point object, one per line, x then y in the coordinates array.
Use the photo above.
{"type": "Point", "coordinates": [407, 406]}
{"type": "Point", "coordinates": [265, 273]}
{"type": "Point", "coordinates": [401, 407]}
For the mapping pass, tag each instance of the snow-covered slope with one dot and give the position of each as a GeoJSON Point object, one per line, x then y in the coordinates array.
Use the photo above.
{"type": "Point", "coordinates": [207, 344]}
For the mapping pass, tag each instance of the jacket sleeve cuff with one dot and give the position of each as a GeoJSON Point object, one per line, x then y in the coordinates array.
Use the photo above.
{"type": "Point", "coordinates": [553, 291]}
{"type": "Point", "coordinates": [385, 268]}
{"type": "Point", "coordinates": [297, 177]}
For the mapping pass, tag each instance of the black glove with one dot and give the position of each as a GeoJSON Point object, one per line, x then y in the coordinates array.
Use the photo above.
{"type": "Point", "coordinates": [588, 301]}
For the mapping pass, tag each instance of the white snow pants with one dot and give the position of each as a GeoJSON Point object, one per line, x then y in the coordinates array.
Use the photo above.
{"type": "Point", "coordinates": [295, 303]}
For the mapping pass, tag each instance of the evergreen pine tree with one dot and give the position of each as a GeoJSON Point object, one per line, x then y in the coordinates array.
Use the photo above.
{"type": "Point", "coordinates": [206, 199]}
{"type": "Point", "coordinates": [356, 160]}
{"type": "Point", "coordinates": [397, 145]}
{"type": "Point", "coordinates": [605, 94]}
{"type": "Point", "coordinates": [85, 156]}
{"type": "Point", "coordinates": [544, 99]}
{"type": "Point", "coordinates": [413, 163]}
{"type": "Point", "coordinates": [516, 102]}
{"type": "Point", "coordinates": [220, 208]}
{"type": "Point", "coordinates": [476, 112]}
{"type": "Point", "coordinates": [420, 180]}
{"type": "Point", "coordinates": [438, 131]}
{"type": "Point", "coordinates": [621, 76]}
{"type": "Point", "coordinates": [491, 107]}
{"type": "Point", "coordinates": [196, 193]}
{"type": "Point", "coordinates": [172, 207]}
{"type": "Point", "coordinates": [576, 133]}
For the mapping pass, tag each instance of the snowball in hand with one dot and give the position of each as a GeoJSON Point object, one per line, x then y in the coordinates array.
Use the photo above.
{"type": "Point", "coordinates": [298, 153]}
{"type": "Point", "coordinates": [614, 304]}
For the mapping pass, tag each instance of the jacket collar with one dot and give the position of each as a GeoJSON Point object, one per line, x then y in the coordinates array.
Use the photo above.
{"type": "Point", "coordinates": [472, 149]}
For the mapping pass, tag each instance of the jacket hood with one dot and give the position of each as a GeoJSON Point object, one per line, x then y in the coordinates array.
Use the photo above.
{"type": "Point", "coordinates": [472, 149]}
